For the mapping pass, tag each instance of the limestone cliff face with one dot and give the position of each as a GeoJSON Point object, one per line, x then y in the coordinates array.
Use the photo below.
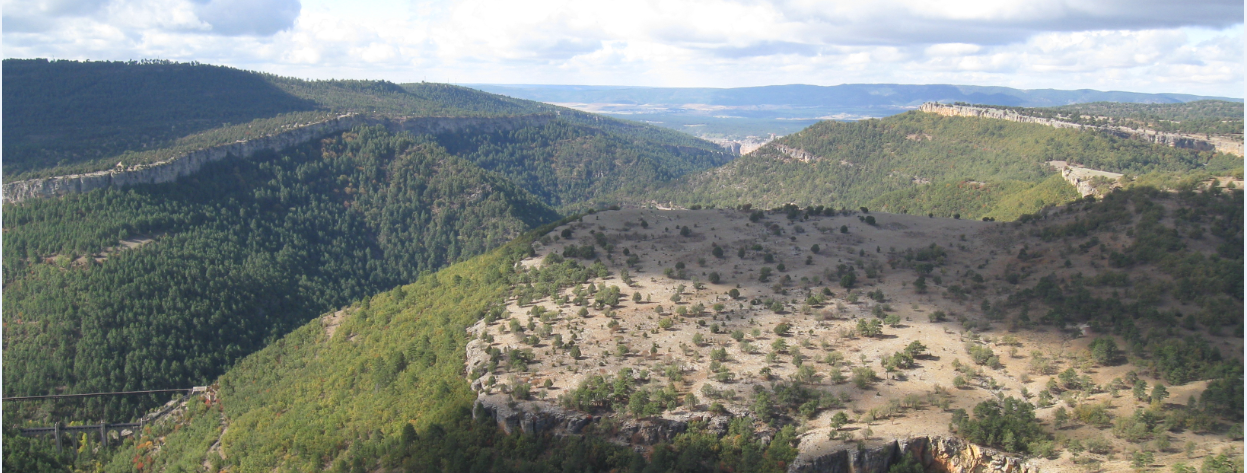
{"type": "Point", "coordinates": [797, 153]}
{"type": "Point", "coordinates": [536, 417]}
{"type": "Point", "coordinates": [937, 455]}
{"type": "Point", "coordinates": [1088, 181]}
{"type": "Point", "coordinates": [1224, 144]}
{"type": "Point", "coordinates": [171, 169]}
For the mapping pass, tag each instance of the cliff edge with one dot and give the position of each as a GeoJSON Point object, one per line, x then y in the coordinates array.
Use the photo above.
{"type": "Point", "coordinates": [1224, 144]}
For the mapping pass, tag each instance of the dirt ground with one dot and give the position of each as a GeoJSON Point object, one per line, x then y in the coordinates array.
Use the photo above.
{"type": "Point", "coordinates": [987, 248]}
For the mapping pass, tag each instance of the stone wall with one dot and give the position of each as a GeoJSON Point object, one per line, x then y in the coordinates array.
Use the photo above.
{"type": "Point", "coordinates": [1225, 144]}
{"type": "Point", "coordinates": [171, 169]}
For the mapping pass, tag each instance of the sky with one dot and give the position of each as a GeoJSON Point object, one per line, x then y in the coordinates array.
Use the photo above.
{"type": "Point", "coordinates": [1193, 47]}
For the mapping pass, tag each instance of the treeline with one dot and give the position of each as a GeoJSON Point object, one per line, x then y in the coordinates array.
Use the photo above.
{"type": "Point", "coordinates": [243, 252]}
{"type": "Point", "coordinates": [934, 164]}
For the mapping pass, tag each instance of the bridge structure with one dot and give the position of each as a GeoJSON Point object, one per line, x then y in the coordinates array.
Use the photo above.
{"type": "Point", "coordinates": [58, 431]}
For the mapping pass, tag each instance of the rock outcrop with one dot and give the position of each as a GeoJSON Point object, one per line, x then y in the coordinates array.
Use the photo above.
{"type": "Point", "coordinates": [797, 153]}
{"type": "Point", "coordinates": [535, 417]}
{"type": "Point", "coordinates": [1224, 144]}
{"type": "Point", "coordinates": [1086, 180]}
{"type": "Point", "coordinates": [184, 165]}
{"type": "Point", "coordinates": [173, 168]}
{"type": "Point", "coordinates": [937, 455]}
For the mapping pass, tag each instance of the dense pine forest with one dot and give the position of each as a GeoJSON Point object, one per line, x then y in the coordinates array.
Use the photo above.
{"type": "Point", "coordinates": [922, 163]}
{"type": "Point", "coordinates": [568, 164]}
{"type": "Point", "coordinates": [239, 255]}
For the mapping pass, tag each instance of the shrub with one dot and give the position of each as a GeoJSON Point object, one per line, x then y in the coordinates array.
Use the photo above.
{"type": "Point", "coordinates": [863, 377]}
{"type": "Point", "coordinates": [782, 329]}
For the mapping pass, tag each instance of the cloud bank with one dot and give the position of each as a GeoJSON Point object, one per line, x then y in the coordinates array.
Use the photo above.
{"type": "Point", "coordinates": [1146, 46]}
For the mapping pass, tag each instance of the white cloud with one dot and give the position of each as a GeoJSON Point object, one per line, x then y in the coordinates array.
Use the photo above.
{"type": "Point", "coordinates": [1150, 45]}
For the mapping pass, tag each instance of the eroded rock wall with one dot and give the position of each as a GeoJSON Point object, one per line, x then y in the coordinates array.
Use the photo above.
{"type": "Point", "coordinates": [173, 168]}
{"type": "Point", "coordinates": [937, 455]}
{"type": "Point", "coordinates": [1224, 144]}
{"type": "Point", "coordinates": [535, 417]}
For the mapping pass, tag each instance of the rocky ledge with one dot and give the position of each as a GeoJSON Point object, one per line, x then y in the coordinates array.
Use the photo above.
{"type": "Point", "coordinates": [937, 454]}
{"type": "Point", "coordinates": [1225, 144]}
{"type": "Point", "coordinates": [536, 417]}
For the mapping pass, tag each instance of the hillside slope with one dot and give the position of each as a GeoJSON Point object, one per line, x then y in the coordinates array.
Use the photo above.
{"type": "Point", "coordinates": [941, 165]}
{"type": "Point", "coordinates": [229, 260]}
{"type": "Point", "coordinates": [339, 393]}
{"type": "Point", "coordinates": [65, 117]}
{"type": "Point", "coordinates": [166, 285]}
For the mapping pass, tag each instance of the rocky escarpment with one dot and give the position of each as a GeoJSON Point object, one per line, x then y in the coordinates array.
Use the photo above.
{"type": "Point", "coordinates": [1088, 181]}
{"type": "Point", "coordinates": [173, 168]}
{"type": "Point", "coordinates": [1224, 144]}
{"type": "Point", "coordinates": [184, 165]}
{"type": "Point", "coordinates": [937, 455]}
{"type": "Point", "coordinates": [535, 417]}
{"type": "Point", "coordinates": [797, 153]}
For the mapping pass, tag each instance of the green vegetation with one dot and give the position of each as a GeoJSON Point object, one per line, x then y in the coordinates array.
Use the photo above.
{"type": "Point", "coordinates": [242, 253]}
{"type": "Point", "coordinates": [70, 117]}
{"type": "Point", "coordinates": [1202, 269]}
{"type": "Point", "coordinates": [387, 387]}
{"type": "Point", "coordinates": [920, 163]}
{"type": "Point", "coordinates": [1008, 423]}
{"type": "Point", "coordinates": [567, 163]}
{"type": "Point", "coordinates": [1203, 116]}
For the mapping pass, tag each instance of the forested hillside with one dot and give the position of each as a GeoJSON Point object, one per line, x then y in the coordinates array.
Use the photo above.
{"type": "Point", "coordinates": [1203, 116]}
{"type": "Point", "coordinates": [239, 255]}
{"type": "Point", "coordinates": [923, 163]}
{"type": "Point", "coordinates": [572, 164]}
{"type": "Point", "coordinates": [69, 116]}
{"type": "Point", "coordinates": [380, 385]}
{"type": "Point", "coordinates": [236, 255]}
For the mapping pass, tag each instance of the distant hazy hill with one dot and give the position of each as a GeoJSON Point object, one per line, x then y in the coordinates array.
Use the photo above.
{"type": "Point", "coordinates": [783, 109]}
{"type": "Point", "coordinates": [847, 95]}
